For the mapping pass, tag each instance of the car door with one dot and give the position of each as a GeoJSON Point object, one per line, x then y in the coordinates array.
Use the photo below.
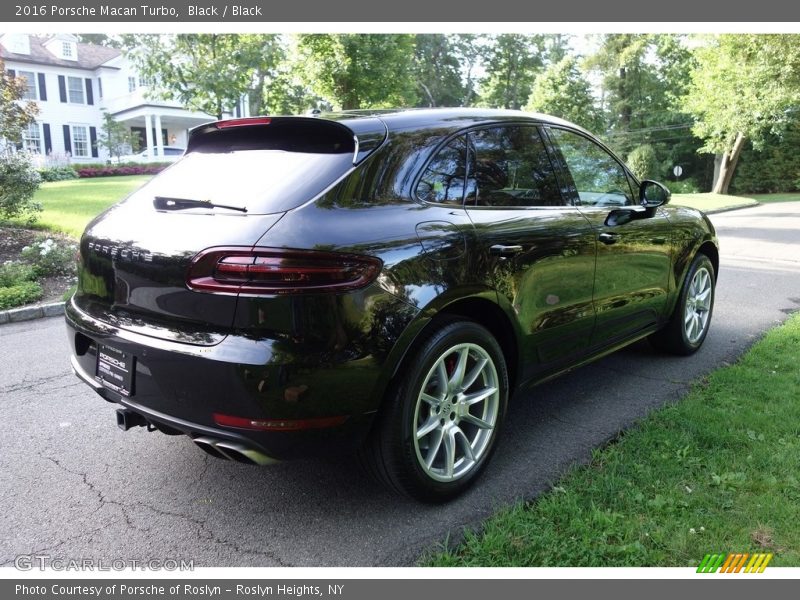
{"type": "Point", "coordinates": [539, 252]}
{"type": "Point", "coordinates": [631, 280]}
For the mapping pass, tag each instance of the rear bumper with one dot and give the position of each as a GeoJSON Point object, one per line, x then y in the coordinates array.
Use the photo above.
{"type": "Point", "coordinates": [180, 386]}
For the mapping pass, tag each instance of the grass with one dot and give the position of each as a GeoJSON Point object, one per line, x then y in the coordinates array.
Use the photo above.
{"type": "Point", "coordinates": [70, 205]}
{"type": "Point", "coordinates": [707, 202]}
{"type": "Point", "coordinates": [717, 472]}
{"type": "Point", "coordinates": [787, 197]}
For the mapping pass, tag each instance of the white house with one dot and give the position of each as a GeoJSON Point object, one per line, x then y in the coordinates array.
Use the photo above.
{"type": "Point", "coordinates": [72, 83]}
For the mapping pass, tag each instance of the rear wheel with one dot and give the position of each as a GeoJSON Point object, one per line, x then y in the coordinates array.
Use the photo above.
{"type": "Point", "coordinates": [690, 321]}
{"type": "Point", "coordinates": [439, 426]}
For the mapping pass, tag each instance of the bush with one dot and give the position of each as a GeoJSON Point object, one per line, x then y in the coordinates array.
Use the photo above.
{"type": "Point", "coordinates": [57, 173]}
{"type": "Point", "coordinates": [120, 170]}
{"type": "Point", "coordinates": [17, 295]}
{"type": "Point", "coordinates": [643, 162]}
{"type": "Point", "coordinates": [15, 273]}
{"type": "Point", "coordinates": [112, 164]}
{"type": "Point", "coordinates": [49, 257]}
{"type": "Point", "coordinates": [687, 186]}
{"type": "Point", "coordinates": [18, 183]}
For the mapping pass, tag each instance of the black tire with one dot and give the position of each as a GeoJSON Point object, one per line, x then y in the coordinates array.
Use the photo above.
{"type": "Point", "coordinates": [398, 449]}
{"type": "Point", "coordinates": [678, 336]}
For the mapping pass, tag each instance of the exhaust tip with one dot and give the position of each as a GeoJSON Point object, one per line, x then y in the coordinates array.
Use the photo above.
{"type": "Point", "coordinates": [236, 451]}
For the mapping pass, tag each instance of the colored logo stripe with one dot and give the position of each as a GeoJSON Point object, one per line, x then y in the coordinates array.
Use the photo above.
{"type": "Point", "coordinates": [734, 562]}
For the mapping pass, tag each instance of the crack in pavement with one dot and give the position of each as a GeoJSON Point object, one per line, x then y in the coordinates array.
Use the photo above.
{"type": "Point", "coordinates": [27, 384]}
{"type": "Point", "coordinates": [201, 525]}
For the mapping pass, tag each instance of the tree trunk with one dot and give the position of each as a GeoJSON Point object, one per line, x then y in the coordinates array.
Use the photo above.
{"type": "Point", "coordinates": [728, 165]}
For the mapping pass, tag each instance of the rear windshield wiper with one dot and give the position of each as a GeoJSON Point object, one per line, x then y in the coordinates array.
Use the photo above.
{"type": "Point", "coordinates": [167, 203]}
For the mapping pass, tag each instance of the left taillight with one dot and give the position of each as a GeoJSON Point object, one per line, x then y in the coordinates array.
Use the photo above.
{"type": "Point", "coordinates": [267, 271]}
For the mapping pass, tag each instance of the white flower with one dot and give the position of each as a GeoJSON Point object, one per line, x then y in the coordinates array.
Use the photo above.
{"type": "Point", "coordinates": [692, 531]}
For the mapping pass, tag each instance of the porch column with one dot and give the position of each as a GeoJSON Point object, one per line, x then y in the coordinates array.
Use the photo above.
{"type": "Point", "coordinates": [148, 135]}
{"type": "Point", "coordinates": [159, 139]}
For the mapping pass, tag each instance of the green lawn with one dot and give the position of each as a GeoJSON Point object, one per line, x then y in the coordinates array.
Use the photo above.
{"type": "Point", "coordinates": [70, 205]}
{"type": "Point", "coordinates": [788, 197]}
{"type": "Point", "coordinates": [707, 202]}
{"type": "Point", "coordinates": [717, 472]}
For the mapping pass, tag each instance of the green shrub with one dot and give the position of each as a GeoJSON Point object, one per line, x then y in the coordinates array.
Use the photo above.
{"type": "Point", "coordinates": [57, 173]}
{"type": "Point", "coordinates": [14, 273]}
{"type": "Point", "coordinates": [50, 257]}
{"type": "Point", "coordinates": [17, 295]}
{"type": "Point", "coordinates": [687, 186]}
{"type": "Point", "coordinates": [18, 183]}
{"type": "Point", "coordinates": [643, 162]}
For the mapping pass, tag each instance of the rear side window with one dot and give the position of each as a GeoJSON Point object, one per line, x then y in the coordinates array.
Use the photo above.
{"type": "Point", "coordinates": [263, 169]}
{"type": "Point", "coordinates": [509, 166]}
{"type": "Point", "coordinates": [443, 180]}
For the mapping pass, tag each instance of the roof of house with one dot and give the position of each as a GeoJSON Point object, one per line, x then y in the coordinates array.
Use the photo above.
{"type": "Point", "coordinates": [90, 56]}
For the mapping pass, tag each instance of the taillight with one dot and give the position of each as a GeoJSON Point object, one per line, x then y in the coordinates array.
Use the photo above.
{"type": "Point", "coordinates": [278, 424]}
{"type": "Point", "coordinates": [269, 271]}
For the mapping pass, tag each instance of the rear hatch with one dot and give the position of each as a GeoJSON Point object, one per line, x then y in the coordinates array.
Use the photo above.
{"type": "Point", "coordinates": [237, 179]}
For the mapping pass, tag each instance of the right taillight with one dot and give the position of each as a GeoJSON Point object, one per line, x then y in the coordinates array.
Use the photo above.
{"type": "Point", "coordinates": [267, 271]}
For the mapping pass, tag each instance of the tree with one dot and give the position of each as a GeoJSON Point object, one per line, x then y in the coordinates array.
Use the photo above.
{"type": "Point", "coordinates": [470, 51]}
{"type": "Point", "coordinates": [643, 161]}
{"type": "Point", "coordinates": [205, 72]}
{"type": "Point", "coordinates": [354, 71]}
{"type": "Point", "coordinates": [742, 88]}
{"type": "Point", "coordinates": [18, 179]}
{"type": "Point", "coordinates": [512, 63]}
{"type": "Point", "coordinates": [437, 71]}
{"type": "Point", "coordinates": [643, 78]}
{"type": "Point", "coordinates": [115, 137]}
{"type": "Point", "coordinates": [15, 115]}
{"type": "Point", "coordinates": [563, 91]}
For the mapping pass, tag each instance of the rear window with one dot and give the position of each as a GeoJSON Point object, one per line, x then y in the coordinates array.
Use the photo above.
{"type": "Point", "coordinates": [263, 169]}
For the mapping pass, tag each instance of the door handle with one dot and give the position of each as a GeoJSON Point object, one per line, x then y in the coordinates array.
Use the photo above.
{"type": "Point", "coordinates": [505, 251]}
{"type": "Point", "coordinates": [608, 238]}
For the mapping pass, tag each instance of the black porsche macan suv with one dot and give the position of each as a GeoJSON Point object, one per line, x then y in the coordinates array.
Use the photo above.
{"type": "Point", "coordinates": [378, 281]}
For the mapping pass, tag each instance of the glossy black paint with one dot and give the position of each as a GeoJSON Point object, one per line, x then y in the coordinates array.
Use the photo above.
{"type": "Point", "coordinates": [542, 279]}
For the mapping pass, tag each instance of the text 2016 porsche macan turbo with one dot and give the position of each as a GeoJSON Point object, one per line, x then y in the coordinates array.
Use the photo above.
{"type": "Point", "coordinates": [378, 282]}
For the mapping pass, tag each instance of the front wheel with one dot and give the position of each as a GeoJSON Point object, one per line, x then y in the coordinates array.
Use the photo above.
{"type": "Point", "coordinates": [691, 319]}
{"type": "Point", "coordinates": [439, 426]}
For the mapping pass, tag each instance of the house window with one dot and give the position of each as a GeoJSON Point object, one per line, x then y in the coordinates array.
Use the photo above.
{"type": "Point", "coordinates": [30, 84]}
{"type": "Point", "coordinates": [32, 139]}
{"type": "Point", "coordinates": [76, 90]}
{"type": "Point", "coordinates": [80, 141]}
{"type": "Point", "coordinates": [100, 87]}
{"type": "Point", "coordinates": [66, 49]}
{"type": "Point", "coordinates": [131, 84]}
{"type": "Point", "coordinates": [145, 81]}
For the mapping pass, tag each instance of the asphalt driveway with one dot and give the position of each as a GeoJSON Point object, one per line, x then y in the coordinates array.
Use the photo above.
{"type": "Point", "coordinates": [72, 485]}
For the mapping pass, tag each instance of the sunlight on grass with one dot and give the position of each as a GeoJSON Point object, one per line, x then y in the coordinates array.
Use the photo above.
{"type": "Point", "coordinates": [706, 202]}
{"type": "Point", "coordinates": [70, 205]}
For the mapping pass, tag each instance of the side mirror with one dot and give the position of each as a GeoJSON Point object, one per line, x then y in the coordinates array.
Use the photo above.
{"type": "Point", "coordinates": [653, 194]}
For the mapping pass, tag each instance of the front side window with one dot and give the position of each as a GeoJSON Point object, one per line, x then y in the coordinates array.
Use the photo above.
{"type": "Point", "coordinates": [30, 84]}
{"type": "Point", "coordinates": [443, 179]}
{"type": "Point", "coordinates": [76, 90]}
{"type": "Point", "coordinates": [32, 139]}
{"type": "Point", "coordinates": [600, 180]}
{"type": "Point", "coordinates": [80, 141]}
{"type": "Point", "coordinates": [509, 166]}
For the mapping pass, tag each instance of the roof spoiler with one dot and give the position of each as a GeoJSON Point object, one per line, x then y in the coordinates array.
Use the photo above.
{"type": "Point", "coordinates": [362, 135]}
